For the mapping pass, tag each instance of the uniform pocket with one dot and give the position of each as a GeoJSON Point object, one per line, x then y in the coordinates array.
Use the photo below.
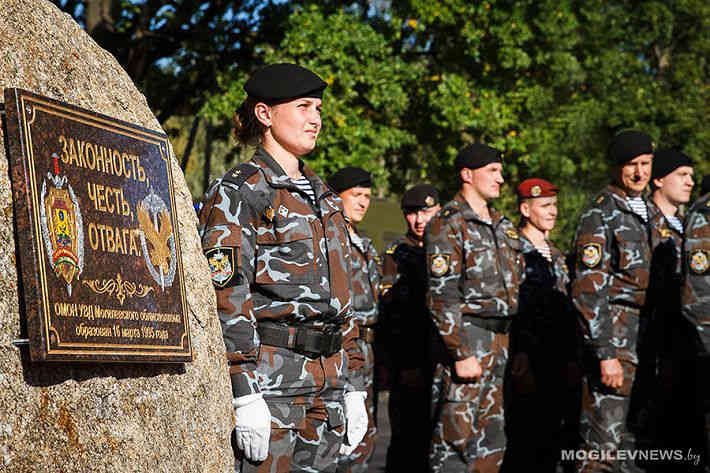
{"type": "Point", "coordinates": [285, 253]}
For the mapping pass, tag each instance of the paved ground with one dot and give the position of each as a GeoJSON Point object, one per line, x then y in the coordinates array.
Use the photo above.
{"type": "Point", "coordinates": [377, 464]}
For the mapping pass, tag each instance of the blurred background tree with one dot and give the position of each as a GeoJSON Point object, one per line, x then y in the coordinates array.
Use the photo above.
{"type": "Point", "coordinates": [413, 81]}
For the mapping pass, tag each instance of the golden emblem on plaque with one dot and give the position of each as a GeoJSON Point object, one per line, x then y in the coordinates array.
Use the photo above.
{"type": "Point", "coordinates": [156, 229]}
{"type": "Point", "coordinates": [62, 227]}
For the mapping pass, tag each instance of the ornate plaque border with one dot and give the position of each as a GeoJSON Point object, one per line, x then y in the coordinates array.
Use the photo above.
{"type": "Point", "coordinates": [46, 344]}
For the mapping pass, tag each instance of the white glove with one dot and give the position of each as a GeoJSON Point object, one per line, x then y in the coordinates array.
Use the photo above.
{"type": "Point", "coordinates": [253, 426]}
{"type": "Point", "coordinates": [355, 421]}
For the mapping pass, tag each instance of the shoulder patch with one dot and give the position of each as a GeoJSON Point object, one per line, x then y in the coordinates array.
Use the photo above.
{"type": "Point", "coordinates": [239, 174]}
{"type": "Point", "coordinates": [448, 212]}
{"type": "Point", "coordinates": [699, 261]}
{"type": "Point", "coordinates": [440, 264]}
{"type": "Point", "coordinates": [221, 261]}
{"type": "Point", "coordinates": [591, 254]}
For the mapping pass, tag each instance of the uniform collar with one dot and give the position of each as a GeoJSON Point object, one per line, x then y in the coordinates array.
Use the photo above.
{"type": "Point", "coordinates": [619, 195]}
{"type": "Point", "coordinates": [469, 214]}
{"type": "Point", "coordinates": [277, 177]}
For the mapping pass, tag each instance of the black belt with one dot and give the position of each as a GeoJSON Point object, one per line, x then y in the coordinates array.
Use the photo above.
{"type": "Point", "coordinates": [308, 341]}
{"type": "Point", "coordinates": [367, 333]}
{"type": "Point", "coordinates": [494, 324]}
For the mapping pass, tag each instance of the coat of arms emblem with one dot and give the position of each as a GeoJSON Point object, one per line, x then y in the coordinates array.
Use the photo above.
{"type": "Point", "coordinates": [156, 229]}
{"type": "Point", "coordinates": [62, 226]}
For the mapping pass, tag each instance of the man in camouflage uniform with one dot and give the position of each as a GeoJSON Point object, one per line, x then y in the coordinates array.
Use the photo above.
{"type": "Point", "coordinates": [662, 355]}
{"type": "Point", "coordinates": [354, 186]}
{"type": "Point", "coordinates": [693, 367]}
{"type": "Point", "coordinates": [406, 335]}
{"type": "Point", "coordinates": [613, 258]}
{"type": "Point", "coordinates": [475, 268]}
{"type": "Point", "coordinates": [279, 253]}
{"type": "Point", "coordinates": [544, 340]}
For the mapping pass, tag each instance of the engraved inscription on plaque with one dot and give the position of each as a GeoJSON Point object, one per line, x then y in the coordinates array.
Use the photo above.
{"type": "Point", "coordinates": [97, 234]}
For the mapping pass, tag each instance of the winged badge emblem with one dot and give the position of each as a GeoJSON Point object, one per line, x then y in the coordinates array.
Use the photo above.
{"type": "Point", "coordinates": [157, 240]}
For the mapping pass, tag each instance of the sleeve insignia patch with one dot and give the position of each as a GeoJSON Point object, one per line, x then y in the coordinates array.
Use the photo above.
{"type": "Point", "coordinates": [699, 261]}
{"type": "Point", "coordinates": [440, 264]}
{"type": "Point", "coordinates": [591, 254]}
{"type": "Point", "coordinates": [512, 234]}
{"type": "Point", "coordinates": [221, 261]}
{"type": "Point", "coordinates": [269, 213]}
{"type": "Point", "coordinates": [665, 233]}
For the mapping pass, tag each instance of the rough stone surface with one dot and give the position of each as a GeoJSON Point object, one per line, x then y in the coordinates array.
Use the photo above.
{"type": "Point", "coordinates": [101, 417]}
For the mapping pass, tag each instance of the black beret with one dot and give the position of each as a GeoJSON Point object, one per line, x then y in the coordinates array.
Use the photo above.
{"type": "Point", "coordinates": [665, 161]}
{"type": "Point", "coordinates": [420, 196]}
{"type": "Point", "coordinates": [282, 82]}
{"type": "Point", "coordinates": [705, 185]}
{"type": "Point", "coordinates": [349, 177]}
{"type": "Point", "coordinates": [476, 156]}
{"type": "Point", "coordinates": [627, 145]}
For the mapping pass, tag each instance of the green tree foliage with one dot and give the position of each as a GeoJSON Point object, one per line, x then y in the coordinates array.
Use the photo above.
{"type": "Point", "coordinates": [413, 81]}
{"type": "Point", "coordinates": [366, 102]}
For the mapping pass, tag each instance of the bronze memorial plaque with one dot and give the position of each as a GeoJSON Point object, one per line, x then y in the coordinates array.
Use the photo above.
{"type": "Point", "coordinates": [97, 234]}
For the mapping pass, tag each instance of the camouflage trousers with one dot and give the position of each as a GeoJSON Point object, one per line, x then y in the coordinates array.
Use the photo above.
{"type": "Point", "coordinates": [609, 423]}
{"type": "Point", "coordinates": [312, 446]}
{"type": "Point", "coordinates": [358, 461]}
{"type": "Point", "coordinates": [469, 421]}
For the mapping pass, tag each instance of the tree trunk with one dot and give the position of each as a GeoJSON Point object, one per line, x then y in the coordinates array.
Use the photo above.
{"type": "Point", "coordinates": [208, 156]}
{"type": "Point", "coordinates": [190, 143]}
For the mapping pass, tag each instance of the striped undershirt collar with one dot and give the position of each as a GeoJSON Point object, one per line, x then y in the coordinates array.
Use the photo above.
{"type": "Point", "coordinates": [638, 205]}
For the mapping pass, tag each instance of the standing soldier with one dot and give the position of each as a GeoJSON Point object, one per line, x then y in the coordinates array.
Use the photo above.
{"type": "Point", "coordinates": [662, 355]}
{"type": "Point", "coordinates": [408, 334]}
{"type": "Point", "coordinates": [354, 186]}
{"type": "Point", "coordinates": [475, 268]}
{"type": "Point", "coordinates": [544, 338]}
{"type": "Point", "coordinates": [278, 248]}
{"type": "Point", "coordinates": [695, 300]}
{"type": "Point", "coordinates": [613, 258]}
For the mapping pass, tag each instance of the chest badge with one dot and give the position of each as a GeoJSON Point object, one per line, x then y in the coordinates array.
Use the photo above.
{"type": "Point", "coordinates": [283, 211]}
{"type": "Point", "coordinates": [269, 213]}
{"type": "Point", "coordinates": [512, 234]}
{"type": "Point", "coordinates": [699, 261]}
{"type": "Point", "coordinates": [440, 264]}
{"type": "Point", "coordinates": [591, 254]}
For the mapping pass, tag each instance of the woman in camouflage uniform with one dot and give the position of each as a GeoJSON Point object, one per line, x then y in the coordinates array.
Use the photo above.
{"type": "Point", "coordinates": [277, 244]}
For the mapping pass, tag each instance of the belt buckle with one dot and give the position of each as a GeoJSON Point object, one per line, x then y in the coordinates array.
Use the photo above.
{"type": "Point", "coordinates": [335, 342]}
{"type": "Point", "coordinates": [300, 343]}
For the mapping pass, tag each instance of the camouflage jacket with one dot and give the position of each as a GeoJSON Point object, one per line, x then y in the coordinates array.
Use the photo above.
{"type": "Point", "coordinates": [474, 268]}
{"type": "Point", "coordinates": [547, 320]}
{"type": "Point", "coordinates": [365, 279]}
{"type": "Point", "coordinates": [405, 320]}
{"type": "Point", "coordinates": [695, 290]}
{"type": "Point", "coordinates": [612, 263]}
{"type": "Point", "coordinates": [274, 256]}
